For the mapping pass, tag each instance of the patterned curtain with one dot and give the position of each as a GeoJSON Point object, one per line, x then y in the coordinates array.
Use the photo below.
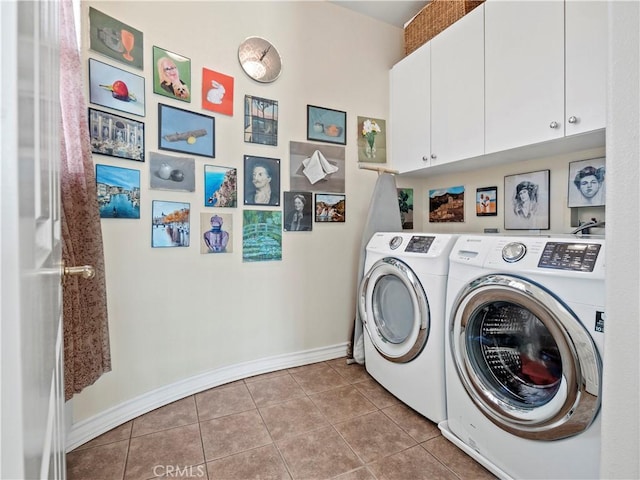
{"type": "Point", "coordinates": [86, 330]}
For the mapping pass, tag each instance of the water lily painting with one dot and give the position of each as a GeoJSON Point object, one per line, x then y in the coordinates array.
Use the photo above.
{"type": "Point", "coordinates": [261, 235]}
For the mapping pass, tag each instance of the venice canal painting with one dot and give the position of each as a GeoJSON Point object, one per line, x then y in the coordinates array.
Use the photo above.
{"type": "Point", "coordinates": [118, 191]}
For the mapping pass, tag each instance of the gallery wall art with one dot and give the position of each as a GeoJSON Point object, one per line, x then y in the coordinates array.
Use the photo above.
{"type": "Point", "coordinates": [261, 235]}
{"type": "Point", "coordinates": [170, 225]}
{"type": "Point", "coordinates": [316, 168]}
{"type": "Point", "coordinates": [118, 191]}
{"type": "Point", "coordinates": [116, 136]}
{"type": "Point", "coordinates": [185, 131]}
{"type": "Point", "coordinates": [446, 205]}
{"type": "Point", "coordinates": [526, 198]}
{"type": "Point", "coordinates": [168, 172]}
{"type": "Point", "coordinates": [171, 74]}
{"type": "Point", "coordinates": [217, 92]}
{"type": "Point", "coordinates": [115, 39]}
{"type": "Point", "coordinates": [116, 88]}
{"type": "Point", "coordinates": [216, 233]}
{"type": "Point", "coordinates": [220, 186]}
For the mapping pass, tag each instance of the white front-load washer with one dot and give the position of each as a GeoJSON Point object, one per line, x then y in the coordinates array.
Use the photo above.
{"type": "Point", "coordinates": [402, 305]}
{"type": "Point", "coordinates": [524, 347]}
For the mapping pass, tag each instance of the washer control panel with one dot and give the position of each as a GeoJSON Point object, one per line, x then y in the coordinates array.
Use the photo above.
{"type": "Point", "coordinates": [580, 257]}
{"type": "Point", "coordinates": [419, 244]}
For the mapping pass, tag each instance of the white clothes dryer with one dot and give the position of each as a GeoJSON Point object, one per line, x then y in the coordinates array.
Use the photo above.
{"type": "Point", "coordinates": [402, 305]}
{"type": "Point", "coordinates": [524, 348]}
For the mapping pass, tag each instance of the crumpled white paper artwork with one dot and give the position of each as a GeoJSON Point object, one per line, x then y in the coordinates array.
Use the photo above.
{"type": "Point", "coordinates": [317, 167]}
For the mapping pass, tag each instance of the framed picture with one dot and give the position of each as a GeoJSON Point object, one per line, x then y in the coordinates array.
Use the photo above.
{"type": "Point", "coordinates": [526, 199]}
{"type": "Point", "coordinates": [216, 233]}
{"type": "Point", "coordinates": [298, 212]}
{"type": "Point", "coordinates": [115, 88]}
{"type": "Point", "coordinates": [260, 120]}
{"type": "Point", "coordinates": [326, 125]}
{"type": "Point", "coordinates": [446, 205]}
{"type": "Point", "coordinates": [171, 75]}
{"type": "Point", "coordinates": [330, 207]}
{"type": "Point", "coordinates": [405, 202]}
{"type": "Point", "coordinates": [217, 92]}
{"type": "Point", "coordinates": [372, 140]}
{"type": "Point", "coordinates": [261, 235]}
{"type": "Point", "coordinates": [118, 191]}
{"type": "Point", "coordinates": [220, 186]}
{"type": "Point", "coordinates": [316, 168]}
{"type": "Point", "coordinates": [172, 173]}
{"type": "Point", "coordinates": [170, 224]}
{"type": "Point", "coordinates": [115, 39]}
{"type": "Point", "coordinates": [261, 181]}
{"type": "Point", "coordinates": [116, 136]}
{"type": "Point", "coordinates": [587, 186]}
{"type": "Point", "coordinates": [186, 132]}
{"type": "Point", "coordinates": [487, 202]}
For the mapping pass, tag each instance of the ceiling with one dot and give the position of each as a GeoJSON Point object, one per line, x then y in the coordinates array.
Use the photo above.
{"type": "Point", "coordinates": [393, 12]}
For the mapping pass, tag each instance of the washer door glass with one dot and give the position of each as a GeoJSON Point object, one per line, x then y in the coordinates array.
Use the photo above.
{"type": "Point", "coordinates": [394, 310]}
{"type": "Point", "coordinates": [514, 353]}
{"type": "Point", "coordinates": [524, 358]}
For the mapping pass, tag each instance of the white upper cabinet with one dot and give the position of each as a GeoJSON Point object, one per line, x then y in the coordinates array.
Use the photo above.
{"type": "Point", "coordinates": [457, 90]}
{"type": "Point", "coordinates": [524, 73]}
{"type": "Point", "coordinates": [586, 66]}
{"type": "Point", "coordinates": [410, 111]}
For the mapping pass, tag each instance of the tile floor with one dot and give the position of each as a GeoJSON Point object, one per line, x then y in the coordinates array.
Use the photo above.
{"type": "Point", "coordinates": [320, 421]}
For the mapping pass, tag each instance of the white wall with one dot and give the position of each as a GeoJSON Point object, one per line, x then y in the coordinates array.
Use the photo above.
{"type": "Point", "coordinates": [560, 214]}
{"type": "Point", "coordinates": [175, 313]}
{"type": "Point", "coordinates": [621, 389]}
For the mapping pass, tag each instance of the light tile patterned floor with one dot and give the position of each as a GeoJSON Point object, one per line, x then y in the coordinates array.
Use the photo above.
{"type": "Point", "coordinates": [320, 421]}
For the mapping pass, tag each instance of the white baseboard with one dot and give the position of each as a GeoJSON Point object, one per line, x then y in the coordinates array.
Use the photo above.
{"type": "Point", "coordinates": [88, 429]}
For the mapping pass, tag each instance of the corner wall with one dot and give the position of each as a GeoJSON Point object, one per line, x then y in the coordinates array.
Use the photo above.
{"type": "Point", "coordinates": [175, 313]}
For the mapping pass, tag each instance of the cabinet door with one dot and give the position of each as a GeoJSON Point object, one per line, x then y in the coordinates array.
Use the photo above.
{"type": "Point", "coordinates": [586, 66]}
{"type": "Point", "coordinates": [524, 68]}
{"type": "Point", "coordinates": [457, 90]}
{"type": "Point", "coordinates": [410, 111]}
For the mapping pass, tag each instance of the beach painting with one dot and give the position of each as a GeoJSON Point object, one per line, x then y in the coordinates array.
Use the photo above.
{"type": "Point", "coordinates": [170, 224]}
{"type": "Point", "coordinates": [261, 235]}
{"type": "Point", "coordinates": [220, 186]}
{"type": "Point", "coordinates": [118, 191]}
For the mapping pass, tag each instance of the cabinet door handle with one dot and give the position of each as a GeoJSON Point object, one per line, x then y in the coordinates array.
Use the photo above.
{"type": "Point", "coordinates": [434, 156]}
{"type": "Point", "coordinates": [425, 159]}
{"type": "Point", "coordinates": [553, 125]}
{"type": "Point", "coordinates": [573, 119]}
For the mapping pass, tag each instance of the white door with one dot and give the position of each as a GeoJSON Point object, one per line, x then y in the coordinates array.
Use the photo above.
{"type": "Point", "coordinates": [524, 73]}
{"type": "Point", "coordinates": [457, 90]}
{"type": "Point", "coordinates": [409, 102]}
{"type": "Point", "coordinates": [32, 441]}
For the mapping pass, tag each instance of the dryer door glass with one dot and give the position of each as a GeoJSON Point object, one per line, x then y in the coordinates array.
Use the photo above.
{"type": "Point", "coordinates": [393, 311]}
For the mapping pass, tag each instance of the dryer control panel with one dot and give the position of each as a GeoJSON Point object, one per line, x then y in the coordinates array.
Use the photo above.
{"type": "Point", "coordinates": [580, 257]}
{"type": "Point", "coordinates": [419, 244]}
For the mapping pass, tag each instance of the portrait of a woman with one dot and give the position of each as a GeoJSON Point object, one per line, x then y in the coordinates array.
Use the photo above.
{"type": "Point", "coordinates": [172, 75]}
{"type": "Point", "coordinates": [587, 183]}
{"type": "Point", "coordinates": [527, 201]}
{"type": "Point", "coordinates": [297, 211]}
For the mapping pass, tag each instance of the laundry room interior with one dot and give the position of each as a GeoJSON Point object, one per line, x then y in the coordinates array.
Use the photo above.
{"type": "Point", "coordinates": [186, 319]}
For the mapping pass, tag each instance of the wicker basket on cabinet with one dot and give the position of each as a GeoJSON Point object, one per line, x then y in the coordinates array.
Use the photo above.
{"type": "Point", "coordinates": [434, 18]}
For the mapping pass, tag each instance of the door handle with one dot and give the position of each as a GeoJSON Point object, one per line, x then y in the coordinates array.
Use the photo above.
{"type": "Point", "coordinates": [85, 271]}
